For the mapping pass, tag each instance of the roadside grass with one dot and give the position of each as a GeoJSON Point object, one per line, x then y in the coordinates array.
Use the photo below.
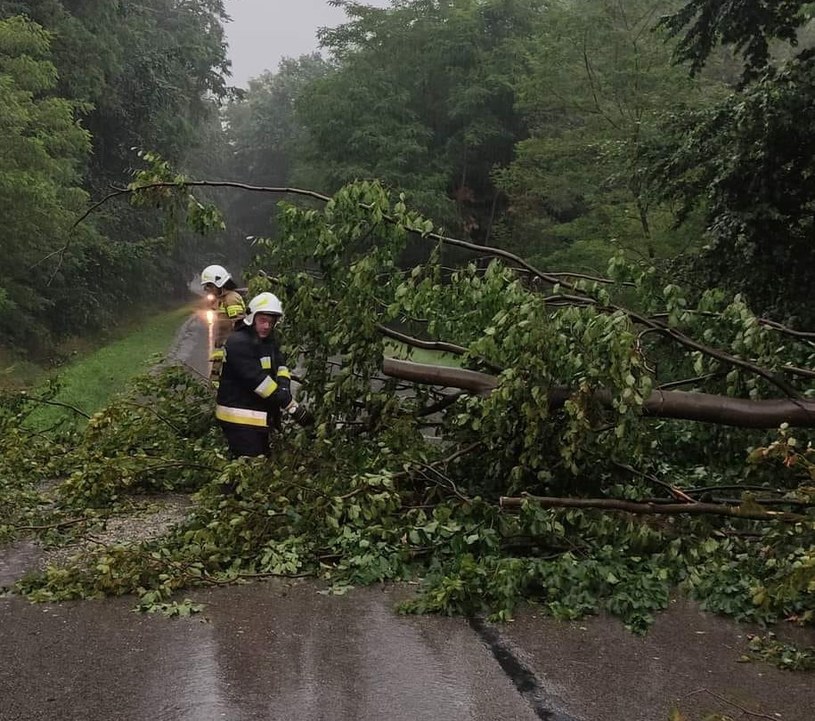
{"type": "Point", "coordinates": [419, 355]}
{"type": "Point", "coordinates": [90, 382]}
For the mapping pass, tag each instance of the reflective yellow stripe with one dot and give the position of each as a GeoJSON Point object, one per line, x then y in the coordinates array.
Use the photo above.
{"type": "Point", "coordinates": [266, 362]}
{"type": "Point", "coordinates": [217, 354]}
{"type": "Point", "coordinates": [266, 387]}
{"type": "Point", "coordinates": [283, 372]}
{"type": "Point", "coordinates": [241, 416]}
{"type": "Point", "coordinates": [234, 310]}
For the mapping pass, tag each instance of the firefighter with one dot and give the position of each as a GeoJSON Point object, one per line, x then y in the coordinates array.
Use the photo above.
{"type": "Point", "coordinates": [255, 381]}
{"type": "Point", "coordinates": [217, 281]}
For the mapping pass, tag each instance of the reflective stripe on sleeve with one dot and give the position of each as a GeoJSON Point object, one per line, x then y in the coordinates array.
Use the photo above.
{"type": "Point", "coordinates": [283, 372]}
{"type": "Point", "coordinates": [266, 363]}
{"type": "Point", "coordinates": [234, 310]}
{"type": "Point", "coordinates": [217, 354]}
{"type": "Point", "coordinates": [241, 416]}
{"type": "Point", "coordinates": [266, 387]}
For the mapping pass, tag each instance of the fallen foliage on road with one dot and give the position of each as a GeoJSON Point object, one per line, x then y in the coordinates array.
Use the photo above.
{"type": "Point", "coordinates": [489, 496]}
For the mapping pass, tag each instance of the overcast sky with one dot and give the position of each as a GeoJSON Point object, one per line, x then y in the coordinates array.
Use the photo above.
{"type": "Point", "coordinates": [264, 31]}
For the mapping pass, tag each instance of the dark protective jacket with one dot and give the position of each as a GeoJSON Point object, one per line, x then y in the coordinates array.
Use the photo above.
{"type": "Point", "coordinates": [254, 380]}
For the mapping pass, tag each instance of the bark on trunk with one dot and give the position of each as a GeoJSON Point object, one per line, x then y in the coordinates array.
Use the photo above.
{"type": "Point", "coordinates": [702, 407]}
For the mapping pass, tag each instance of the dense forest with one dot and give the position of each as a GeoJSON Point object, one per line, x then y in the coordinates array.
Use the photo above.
{"type": "Point", "coordinates": [85, 85]}
{"type": "Point", "coordinates": [673, 132]}
{"type": "Point", "coordinates": [564, 131]}
{"type": "Point", "coordinates": [601, 211]}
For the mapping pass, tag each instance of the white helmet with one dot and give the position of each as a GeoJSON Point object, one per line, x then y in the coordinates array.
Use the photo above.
{"type": "Point", "coordinates": [263, 303]}
{"type": "Point", "coordinates": [215, 274]}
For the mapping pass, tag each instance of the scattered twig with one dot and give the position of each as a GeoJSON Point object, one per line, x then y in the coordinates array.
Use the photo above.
{"type": "Point", "coordinates": [155, 413]}
{"type": "Point", "coordinates": [61, 404]}
{"type": "Point", "coordinates": [53, 526]}
{"type": "Point", "coordinates": [457, 454]}
{"type": "Point", "coordinates": [614, 504]}
{"type": "Point", "coordinates": [734, 487]}
{"type": "Point", "coordinates": [805, 335]}
{"type": "Point", "coordinates": [689, 381]}
{"type": "Point", "coordinates": [592, 278]}
{"type": "Point", "coordinates": [209, 579]}
{"type": "Point", "coordinates": [737, 501]}
{"type": "Point", "coordinates": [443, 481]}
{"type": "Point", "coordinates": [805, 372]}
{"type": "Point", "coordinates": [434, 345]}
{"type": "Point", "coordinates": [677, 493]}
{"type": "Point", "coordinates": [723, 699]}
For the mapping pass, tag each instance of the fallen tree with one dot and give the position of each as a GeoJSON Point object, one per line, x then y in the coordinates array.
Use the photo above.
{"type": "Point", "coordinates": [703, 407]}
{"type": "Point", "coordinates": [559, 368]}
{"type": "Point", "coordinates": [527, 467]}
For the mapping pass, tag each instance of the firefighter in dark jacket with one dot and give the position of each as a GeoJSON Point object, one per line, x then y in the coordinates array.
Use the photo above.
{"type": "Point", "coordinates": [255, 382]}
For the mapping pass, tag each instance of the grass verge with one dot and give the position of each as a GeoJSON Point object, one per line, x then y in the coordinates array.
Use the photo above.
{"type": "Point", "coordinates": [419, 355]}
{"type": "Point", "coordinates": [89, 383]}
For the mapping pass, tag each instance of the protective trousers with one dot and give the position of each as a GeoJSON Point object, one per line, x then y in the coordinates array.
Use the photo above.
{"type": "Point", "coordinates": [246, 440]}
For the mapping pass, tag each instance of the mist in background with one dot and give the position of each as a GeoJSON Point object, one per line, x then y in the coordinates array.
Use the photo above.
{"type": "Point", "coordinates": [262, 32]}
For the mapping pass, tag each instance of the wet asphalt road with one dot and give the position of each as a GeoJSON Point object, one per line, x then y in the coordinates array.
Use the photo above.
{"type": "Point", "coordinates": [285, 651]}
{"type": "Point", "coordinates": [267, 651]}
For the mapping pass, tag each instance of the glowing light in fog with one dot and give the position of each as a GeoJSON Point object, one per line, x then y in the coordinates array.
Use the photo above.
{"type": "Point", "coordinates": [210, 333]}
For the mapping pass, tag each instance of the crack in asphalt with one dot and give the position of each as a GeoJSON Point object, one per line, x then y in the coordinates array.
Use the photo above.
{"type": "Point", "coordinates": [521, 675]}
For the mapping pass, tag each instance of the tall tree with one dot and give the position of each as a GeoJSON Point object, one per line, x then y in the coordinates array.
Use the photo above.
{"type": "Point", "coordinates": [749, 26]}
{"type": "Point", "coordinates": [154, 65]}
{"type": "Point", "coordinates": [137, 76]}
{"type": "Point", "coordinates": [423, 97]}
{"type": "Point", "coordinates": [42, 149]}
{"type": "Point", "coordinates": [748, 162]}
{"type": "Point", "coordinates": [600, 79]}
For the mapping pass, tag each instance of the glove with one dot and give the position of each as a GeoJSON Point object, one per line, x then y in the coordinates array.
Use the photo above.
{"type": "Point", "coordinates": [281, 397]}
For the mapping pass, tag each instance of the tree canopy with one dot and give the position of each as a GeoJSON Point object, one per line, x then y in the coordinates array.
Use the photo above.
{"type": "Point", "coordinates": [85, 86]}
{"type": "Point", "coordinates": [42, 156]}
{"type": "Point", "coordinates": [567, 133]}
{"type": "Point", "coordinates": [750, 26]}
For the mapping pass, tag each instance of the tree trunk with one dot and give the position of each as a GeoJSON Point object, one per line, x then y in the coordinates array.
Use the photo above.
{"type": "Point", "coordinates": [702, 407]}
